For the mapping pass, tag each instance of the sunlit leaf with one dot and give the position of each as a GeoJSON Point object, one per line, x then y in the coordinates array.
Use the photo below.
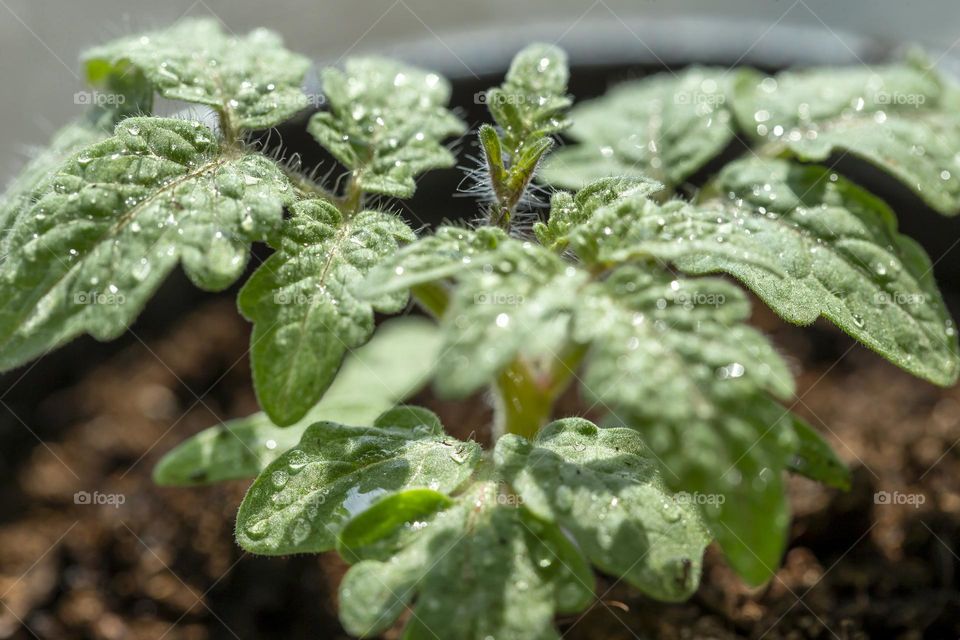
{"type": "Point", "coordinates": [300, 500]}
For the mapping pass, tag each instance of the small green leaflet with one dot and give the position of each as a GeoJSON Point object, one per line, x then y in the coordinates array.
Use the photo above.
{"type": "Point", "coordinates": [603, 486]}
{"type": "Point", "coordinates": [529, 107]}
{"type": "Point", "coordinates": [300, 501]}
{"type": "Point", "coordinates": [532, 101]}
{"type": "Point", "coordinates": [252, 81]}
{"type": "Point", "coordinates": [446, 253]}
{"type": "Point", "coordinates": [895, 117]}
{"type": "Point", "coordinates": [300, 299]}
{"type": "Point", "coordinates": [568, 211]}
{"type": "Point", "coordinates": [474, 568]}
{"type": "Point", "coordinates": [396, 362]}
{"type": "Point", "coordinates": [816, 459]}
{"type": "Point", "coordinates": [673, 359]}
{"type": "Point", "coordinates": [108, 226]}
{"type": "Point", "coordinates": [385, 123]}
{"type": "Point", "coordinates": [666, 127]}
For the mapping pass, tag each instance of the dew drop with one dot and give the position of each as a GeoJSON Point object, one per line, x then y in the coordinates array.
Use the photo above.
{"type": "Point", "coordinates": [257, 530]}
{"type": "Point", "coordinates": [732, 370]}
{"type": "Point", "coordinates": [297, 460]}
{"type": "Point", "coordinates": [279, 478]}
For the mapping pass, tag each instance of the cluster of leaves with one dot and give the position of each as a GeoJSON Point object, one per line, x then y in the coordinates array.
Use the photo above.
{"type": "Point", "coordinates": [616, 289]}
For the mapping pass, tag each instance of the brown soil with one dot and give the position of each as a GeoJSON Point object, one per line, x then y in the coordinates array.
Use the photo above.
{"type": "Point", "coordinates": [164, 565]}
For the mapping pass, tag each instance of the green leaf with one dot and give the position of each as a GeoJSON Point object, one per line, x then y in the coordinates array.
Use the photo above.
{"type": "Point", "coordinates": [603, 486]}
{"type": "Point", "coordinates": [396, 362]}
{"type": "Point", "coordinates": [674, 359]}
{"type": "Point", "coordinates": [816, 460]}
{"type": "Point", "coordinates": [252, 81]}
{"type": "Point", "coordinates": [666, 127]}
{"type": "Point", "coordinates": [108, 226]}
{"type": "Point", "coordinates": [668, 333]}
{"type": "Point", "coordinates": [444, 254]}
{"type": "Point", "coordinates": [514, 299]}
{"type": "Point", "coordinates": [300, 501]}
{"type": "Point", "coordinates": [532, 101]}
{"type": "Point", "coordinates": [306, 316]}
{"type": "Point", "coordinates": [481, 568]}
{"type": "Point", "coordinates": [808, 243]}
{"type": "Point", "coordinates": [895, 117]}
{"type": "Point", "coordinates": [569, 211]}
{"type": "Point", "coordinates": [386, 123]}
{"type": "Point", "coordinates": [844, 260]}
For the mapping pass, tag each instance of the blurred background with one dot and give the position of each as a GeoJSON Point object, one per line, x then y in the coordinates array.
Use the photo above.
{"type": "Point", "coordinates": [40, 40]}
{"type": "Point", "coordinates": [96, 417]}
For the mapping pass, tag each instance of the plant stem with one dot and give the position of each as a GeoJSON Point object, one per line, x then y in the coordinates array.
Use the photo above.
{"type": "Point", "coordinates": [227, 130]}
{"type": "Point", "coordinates": [523, 405]}
{"type": "Point", "coordinates": [564, 367]}
{"type": "Point", "coordinates": [433, 297]}
{"type": "Point", "coordinates": [352, 197]}
{"type": "Point", "coordinates": [524, 400]}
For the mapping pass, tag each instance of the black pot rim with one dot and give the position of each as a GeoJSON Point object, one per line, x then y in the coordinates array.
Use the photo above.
{"type": "Point", "coordinates": [650, 41]}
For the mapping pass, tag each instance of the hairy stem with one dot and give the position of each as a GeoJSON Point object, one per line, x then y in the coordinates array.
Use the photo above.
{"type": "Point", "coordinates": [227, 130]}
{"type": "Point", "coordinates": [306, 187]}
{"type": "Point", "coordinates": [352, 197]}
